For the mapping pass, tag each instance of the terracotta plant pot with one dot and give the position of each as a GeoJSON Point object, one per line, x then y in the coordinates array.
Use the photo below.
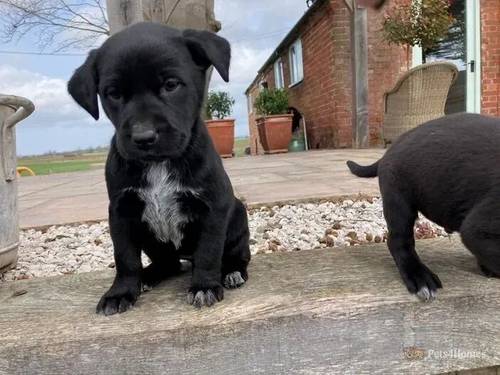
{"type": "Point", "coordinates": [222, 134]}
{"type": "Point", "coordinates": [275, 133]}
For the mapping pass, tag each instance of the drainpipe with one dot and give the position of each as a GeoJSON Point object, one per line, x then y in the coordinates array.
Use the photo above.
{"type": "Point", "coordinates": [359, 66]}
{"type": "Point", "coordinates": [306, 141]}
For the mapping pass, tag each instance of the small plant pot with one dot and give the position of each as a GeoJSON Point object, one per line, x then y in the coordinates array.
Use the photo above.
{"type": "Point", "coordinates": [222, 134]}
{"type": "Point", "coordinates": [275, 133]}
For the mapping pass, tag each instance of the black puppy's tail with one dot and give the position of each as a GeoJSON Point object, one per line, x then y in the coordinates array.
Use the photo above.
{"type": "Point", "coordinates": [361, 171]}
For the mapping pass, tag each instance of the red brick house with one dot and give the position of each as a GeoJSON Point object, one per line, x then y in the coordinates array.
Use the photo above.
{"type": "Point", "coordinates": [313, 62]}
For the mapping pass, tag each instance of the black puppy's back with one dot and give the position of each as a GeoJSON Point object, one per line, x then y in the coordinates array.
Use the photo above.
{"type": "Point", "coordinates": [446, 165]}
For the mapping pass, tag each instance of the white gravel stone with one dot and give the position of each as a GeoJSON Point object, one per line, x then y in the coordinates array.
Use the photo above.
{"type": "Point", "coordinates": [88, 247]}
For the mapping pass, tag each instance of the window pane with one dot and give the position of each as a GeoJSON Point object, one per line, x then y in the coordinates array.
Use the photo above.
{"type": "Point", "coordinates": [300, 66]}
{"type": "Point", "coordinates": [278, 74]}
{"type": "Point", "coordinates": [296, 65]}
{"type": "Point", "coordinates": [293, 64]}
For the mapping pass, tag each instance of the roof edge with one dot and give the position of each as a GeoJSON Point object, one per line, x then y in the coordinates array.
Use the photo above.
{"type": "Point", "coordinates": [292, 34]}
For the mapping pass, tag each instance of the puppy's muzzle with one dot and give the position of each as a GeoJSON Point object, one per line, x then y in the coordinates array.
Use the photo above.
{"type": "Point", "coordinates": [145, 139]}
{"type": "Point", "coordinates": [144, 135]}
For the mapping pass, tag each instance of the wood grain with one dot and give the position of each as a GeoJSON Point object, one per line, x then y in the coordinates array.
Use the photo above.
{"type": "Point", "coordinates": [329, 311]}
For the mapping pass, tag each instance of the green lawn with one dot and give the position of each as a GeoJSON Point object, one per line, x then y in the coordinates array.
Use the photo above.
{"type": "Point", "coordinates": [239, 146]}
{"type": "Point", "coordinates": [83, 161]}
{"type": "Point", "coordinates": [63, 163]}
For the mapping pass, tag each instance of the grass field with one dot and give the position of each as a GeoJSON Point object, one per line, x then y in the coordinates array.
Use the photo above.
{"type": "Point", "coordinates": [62, 163]}
{"type": "Point", "coordinates": [239, 146]}
{"type": "Point", "coordinates": [84, 161]}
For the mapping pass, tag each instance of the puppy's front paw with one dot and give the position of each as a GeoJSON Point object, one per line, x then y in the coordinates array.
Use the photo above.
{"type": "Point", "coordinates": [199, 297]}
{"type": "Point", "coordinates": [234, 280]}
{"type": "Point", "coordinates": [421, 281]}
{"type": "Point", "coordinates": [119, 298]}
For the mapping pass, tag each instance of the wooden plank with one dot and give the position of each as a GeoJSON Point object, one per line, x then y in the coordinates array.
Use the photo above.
{"type": "Point", "coordinates": [313, 312]}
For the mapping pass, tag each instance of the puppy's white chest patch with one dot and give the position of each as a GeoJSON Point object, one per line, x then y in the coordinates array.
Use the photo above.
{"type": "Point", "coordinates": [162, 211]}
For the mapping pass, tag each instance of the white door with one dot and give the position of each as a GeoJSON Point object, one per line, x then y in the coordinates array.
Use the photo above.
{"type": "Point", "coordinates": [462, 46]}
{"type": "Point", "coordinates": [473, 27]}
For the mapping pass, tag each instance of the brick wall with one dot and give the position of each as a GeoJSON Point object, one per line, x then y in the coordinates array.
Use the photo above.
{"type": "Point", "coordinates": [325, 95]}
{"type": "Point", "coordinates": [490, 57]}
{"type": "Point", "coordinates": [386, 63]}
{"type": "Point", "coordinates": [315, 96]}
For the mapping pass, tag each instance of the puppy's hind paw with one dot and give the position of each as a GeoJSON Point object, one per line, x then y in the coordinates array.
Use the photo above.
{"type": "Point", "coordinates": [421, 281]}
{"type": "Point", "coordinates": [233, 280]}
{"type": "Point", "coordinates": [426, 295]}
{"type": "Point", "coordinates": [487, 272]}
{"type": "Point", "coordinates": [199, 297]}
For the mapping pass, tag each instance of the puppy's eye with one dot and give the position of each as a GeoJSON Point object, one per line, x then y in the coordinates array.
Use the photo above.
{"type": "Point", "coordinates": [171, 84]}
{"type": "Point", "coordinates": [114, 94]}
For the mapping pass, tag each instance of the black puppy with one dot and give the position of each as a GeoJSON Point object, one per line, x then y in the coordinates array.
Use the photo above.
{"type": "Point", "coordinates": [169, 194]}
{"type": "Point", "coordinates": [449, 170]}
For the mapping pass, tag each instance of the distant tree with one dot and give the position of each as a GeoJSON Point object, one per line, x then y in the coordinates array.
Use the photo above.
{"type": "Point", "coordinates": [60, 24]}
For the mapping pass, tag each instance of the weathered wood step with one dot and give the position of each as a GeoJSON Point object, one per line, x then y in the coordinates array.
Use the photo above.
{"type": "Point", "coordinates": [313, 312]}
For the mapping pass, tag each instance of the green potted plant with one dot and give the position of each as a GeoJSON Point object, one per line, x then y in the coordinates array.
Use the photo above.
{"type": "Point", "coordinates": [275, 121]}
{"type": "Point", "coordinates": [221, 129]}
{"type": "Point", "coordinates": [422, 23]}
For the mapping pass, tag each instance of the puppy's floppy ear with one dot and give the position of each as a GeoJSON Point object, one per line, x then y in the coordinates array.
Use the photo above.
{"type": "Point", "coordinates": [83, 85]}
{"type": "Point", "coordinates": [209, 49]}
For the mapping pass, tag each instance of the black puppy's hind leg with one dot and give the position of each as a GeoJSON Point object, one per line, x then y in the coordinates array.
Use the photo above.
{"type": "Point", "coordinates": [400, 217]}
{"type": "Point", "coordinates": [480, 233]}
{"type": "Point", "coordinates": [236, 249]}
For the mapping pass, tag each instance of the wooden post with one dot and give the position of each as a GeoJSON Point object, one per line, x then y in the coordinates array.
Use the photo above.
{"type": "Point", "coordinates": [184, 14]}
{"type": "Point", "coordinates": [360, 76]}
{"type": "Point", "coordinates": [193, 14]}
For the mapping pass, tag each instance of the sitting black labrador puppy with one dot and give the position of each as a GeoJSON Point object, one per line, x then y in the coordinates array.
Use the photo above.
{"type": "Point", "coordinates": [169, 194]}
{"type": "Point", "coordinates": [449, 170]}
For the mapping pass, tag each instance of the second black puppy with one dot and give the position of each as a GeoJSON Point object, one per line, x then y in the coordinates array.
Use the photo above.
{"type": "Point", "coordinates": [169, 194]}
{"type": "Point", "coordinates": [448, 169]}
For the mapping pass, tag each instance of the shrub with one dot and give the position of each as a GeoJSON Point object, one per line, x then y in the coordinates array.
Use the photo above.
{"type": "Point", "coordinates": [272, 102]}
{"type": "Point", "coordinates": [219, 105]}
{"type": "Point", "coordinates": [422, 23]}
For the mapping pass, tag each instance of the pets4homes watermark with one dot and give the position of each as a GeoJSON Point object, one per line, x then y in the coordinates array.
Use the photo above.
{"type": "Point", "coordinates": [416, 353]}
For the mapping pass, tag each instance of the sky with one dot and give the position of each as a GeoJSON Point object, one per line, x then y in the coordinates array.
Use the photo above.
{"type": "Point", "coordinates": [253, 27]}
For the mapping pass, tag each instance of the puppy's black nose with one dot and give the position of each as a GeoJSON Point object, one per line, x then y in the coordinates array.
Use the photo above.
{"type": "Point", "coordinates": [145, 138]}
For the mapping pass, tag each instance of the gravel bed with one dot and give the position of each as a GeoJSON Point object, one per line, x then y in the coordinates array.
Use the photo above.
{"type": "Point", "coordinates": [87, 247]}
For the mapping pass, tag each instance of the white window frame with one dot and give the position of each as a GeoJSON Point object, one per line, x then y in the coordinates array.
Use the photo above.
{"type": "Point", "coordinates": [296, 63]}
{"type": "Point", "coordinates": [250, 102]}
{"type": "Point", "coordinates": [279, 76]}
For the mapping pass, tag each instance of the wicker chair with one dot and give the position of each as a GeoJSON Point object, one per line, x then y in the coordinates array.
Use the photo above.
{"type": "Point", "coordinates": [419, 96]}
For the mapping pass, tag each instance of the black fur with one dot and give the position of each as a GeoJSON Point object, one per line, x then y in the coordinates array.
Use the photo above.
{"type": "Point", "coordinates": [151, 82]}
{"type": "Point", "coordinates": [448, 169]}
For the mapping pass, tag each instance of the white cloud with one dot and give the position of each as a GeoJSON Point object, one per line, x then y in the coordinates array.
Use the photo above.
{"type": "Point", "coordinates": [49, 94]}
{"type": "Point", "coordinates": [254, 29]}
{"type": "Point", "coordinates": [58, 123]}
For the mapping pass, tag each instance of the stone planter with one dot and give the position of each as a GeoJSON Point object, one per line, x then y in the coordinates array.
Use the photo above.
{"type": "Point", "coordinates": [12, 110]}
{"type": "Point", "coordinates": [275, 133]}
{"type": "Point", "coordinates": [222, 134]}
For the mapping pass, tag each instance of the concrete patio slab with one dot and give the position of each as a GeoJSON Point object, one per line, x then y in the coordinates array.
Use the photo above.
{"type": "Point", "coordinates": [259, 180]}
